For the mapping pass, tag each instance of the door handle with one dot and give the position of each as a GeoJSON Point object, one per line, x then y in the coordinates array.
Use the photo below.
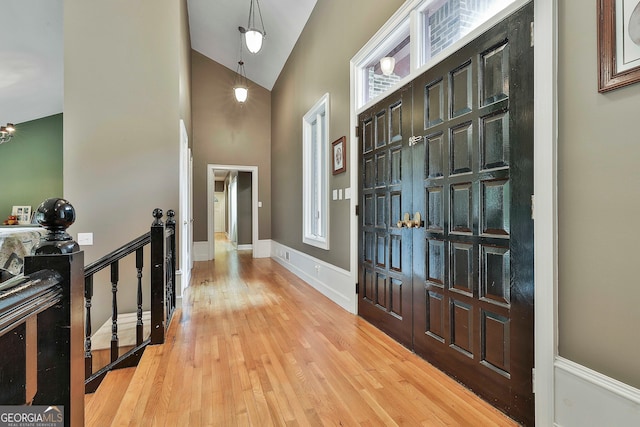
{"type": "Point", "coordinates": [413, 140]}
{"type": "Point", "coordinates": [406, 221]}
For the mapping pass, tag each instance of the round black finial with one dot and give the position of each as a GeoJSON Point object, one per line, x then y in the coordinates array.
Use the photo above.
{"type": "Point", "coordinates": [157, 214]}
{"type": "Point", "coordinates": [171, 214]}
{"type": "Point", "coordinates": [56, 215]}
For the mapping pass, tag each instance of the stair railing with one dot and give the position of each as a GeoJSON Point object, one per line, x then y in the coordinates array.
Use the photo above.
{"type": "Point", "coordinates": [161, 240]}
{"type": "Point", "coordinates": [41, 327]}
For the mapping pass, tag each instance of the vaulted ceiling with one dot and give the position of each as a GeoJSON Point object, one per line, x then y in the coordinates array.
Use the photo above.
{"type": "Point", "coordinates": [32, 47]}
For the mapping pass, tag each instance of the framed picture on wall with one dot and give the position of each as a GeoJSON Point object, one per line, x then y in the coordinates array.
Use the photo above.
{"type": "Point", "coordinates": [339, 155]}
{"type": "Point", "coordinates": [618, 43]}
{"type": "Point", "coordinates": [22, 213]}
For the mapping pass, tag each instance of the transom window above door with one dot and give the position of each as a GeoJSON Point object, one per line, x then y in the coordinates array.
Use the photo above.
{"type": "Point", "coordinates": [416, 37]}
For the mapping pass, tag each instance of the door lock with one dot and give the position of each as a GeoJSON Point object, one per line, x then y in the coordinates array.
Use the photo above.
{"type": "Point", "coordinates": [416, 222]}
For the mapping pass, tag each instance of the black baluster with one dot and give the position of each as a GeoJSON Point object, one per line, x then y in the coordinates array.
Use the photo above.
{"type": "Point", "coordinates": [114, 311]}
{"type": "Point", "coordinates": [139, 324]}
{"type": "Point", "coordinates": [171, 256]}
{"type": "Point", "coordinates": [88, 357]}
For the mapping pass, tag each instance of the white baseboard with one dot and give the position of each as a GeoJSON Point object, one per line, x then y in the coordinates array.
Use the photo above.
{"type": "Point", "coordinates": [245, 247]}
{"type": "Point", "coordinates": [201, 251]}
{"type": "Point", "coordinates": [182, 282]}
{"type": "Point", "coordinates": [333, 282]}
{"type": "Point", "coordinates": [262, 249]}
{"type": "Point", "coordinates": [584, 397]}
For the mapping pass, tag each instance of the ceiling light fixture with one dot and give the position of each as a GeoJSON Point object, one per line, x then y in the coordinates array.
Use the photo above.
{"type": "Point", "coordinates": [387, 65]}
{"type": "Point", "coordinates": [240, 87]}
{"type": "Point", "coordinates": [6, 132]}
{"type": "Point", "coordinates": [253, 35]}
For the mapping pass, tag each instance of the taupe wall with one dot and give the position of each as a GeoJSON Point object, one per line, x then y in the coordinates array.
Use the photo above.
{"type": "Point", "coordinates": [244, 208]}
{"type": "Point", "coordinates": [599, 205]}
{"type": "Point", "coordinates": [319, 63]}
{"type": "Point", "coordinates": [227, 133]}
{"type": "Point", "coordinates": [122, 107]}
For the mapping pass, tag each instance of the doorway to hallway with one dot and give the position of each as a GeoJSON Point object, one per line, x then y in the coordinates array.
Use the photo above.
{"type": "Point", "coordinates": [232, 206]}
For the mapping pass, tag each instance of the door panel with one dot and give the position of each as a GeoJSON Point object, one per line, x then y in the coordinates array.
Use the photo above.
{"type": "Point", "coordinates": [459, 288]}
{"type": "Point", "coordinates": [385, 195]}
{"type": "Point", "coordinates": [473, 298]}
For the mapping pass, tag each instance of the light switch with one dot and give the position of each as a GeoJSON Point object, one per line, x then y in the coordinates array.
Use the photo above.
{"type": "Point", "coordinates": [347, 193]}
{"type": "Point", "coordinates": [335, 194]}
{"type": "Point", "coordinates": [85, 239]}
{"type": "Point", "coordinates": [259, 204]}
{"type": "Point", "coordinates": [340, 194]}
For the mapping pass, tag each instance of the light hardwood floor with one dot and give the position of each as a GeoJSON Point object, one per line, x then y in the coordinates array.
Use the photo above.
{"type": "Point", "coordinates": [254, 345]}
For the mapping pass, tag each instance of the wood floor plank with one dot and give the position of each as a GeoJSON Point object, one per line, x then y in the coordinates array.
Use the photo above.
{"type": "Point", "coordinates": [254, 345]}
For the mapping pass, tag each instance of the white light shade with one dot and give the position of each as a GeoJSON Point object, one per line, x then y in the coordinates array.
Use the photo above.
{"type": "Point", "coordinates": [241, 93]}
{"type": "Point", "coordinates": [387, 64]}
{"type": "Point", "coordinates": [253, 38]}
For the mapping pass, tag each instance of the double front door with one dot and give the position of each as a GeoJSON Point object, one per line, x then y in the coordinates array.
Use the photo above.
{"type": "Point", "coordinates": [445, 229]}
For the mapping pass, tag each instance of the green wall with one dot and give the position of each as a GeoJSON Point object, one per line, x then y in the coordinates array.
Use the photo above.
{"type": "Point", "coordinates": [31, 164]}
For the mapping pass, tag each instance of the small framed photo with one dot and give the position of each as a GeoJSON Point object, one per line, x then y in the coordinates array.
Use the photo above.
{"type": "Point", "coordinates": [618, 43]}
{"type": "Point", "coordinates": [22, 213]}
{"type": "Point", "coordinates": [339, 155]}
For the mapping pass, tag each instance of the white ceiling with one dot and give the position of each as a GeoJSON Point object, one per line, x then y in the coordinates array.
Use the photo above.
{"type": "Point", "coordinates": [214, 33]}
{"type": "Point", "coordinates": [31, 60]}
{"type": "Point", "coordinates": [32, 47]}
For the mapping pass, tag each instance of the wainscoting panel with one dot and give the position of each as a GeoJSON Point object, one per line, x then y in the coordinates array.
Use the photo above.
{"type": "Point", "coordinates": [584, 397]}
{"type": "Point", "coordinates": [333, 282]}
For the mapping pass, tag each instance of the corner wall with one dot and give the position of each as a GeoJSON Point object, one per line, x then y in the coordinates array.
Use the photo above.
{"type": "Point", "coordinates": [123, 73]}
{"type": "Point", "coordinates": [319, 63]}
{"type": "Point", "coordinates": [228, 133]}
{"type": "Point", "coordinates": [598, 205]}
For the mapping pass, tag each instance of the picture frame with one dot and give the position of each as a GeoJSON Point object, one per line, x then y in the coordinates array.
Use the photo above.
{"type": "Point", "coordinates": [22, 213]}
{"type": "Point", "coordinates": [339, 155]}
{"type": "Point", "coordinates": [618, 43]}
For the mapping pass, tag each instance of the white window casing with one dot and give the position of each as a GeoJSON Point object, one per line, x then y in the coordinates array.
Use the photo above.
{"type": "Point", "coordinates": [315, 187]}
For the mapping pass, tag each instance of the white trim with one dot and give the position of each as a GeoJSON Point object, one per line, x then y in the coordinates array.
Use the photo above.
{"type": "Point", "coordinates": [410, 10]}
{"type": "Point", "coordinates": [262, 249]}
{"type": "Point", "coordinates": [585, 397]}
{"type": "Point", "coordinates": [545, 213]}
{"type": "Point", "coordinates": [210, 197]}
{"type": "Point", "coordinates": [331, 281]}
{"type": "Point", "coordinates": [201, 251]}
{"type": "Point", "coordinates": [245, 247]}
{"type": "Point", "coordinates": [321, 108]}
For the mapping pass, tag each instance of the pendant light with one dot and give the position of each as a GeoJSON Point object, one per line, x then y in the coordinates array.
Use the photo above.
{"type": "Point", "coordinates": [387, 64]}
{"type": "Point", "coordinates": [253, 36]}
{"type": "Point", "coordinates": [240, 87]}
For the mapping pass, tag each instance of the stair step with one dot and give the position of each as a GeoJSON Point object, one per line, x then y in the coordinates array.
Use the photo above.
{"type": "Point", "coordinates": [141, 388]}
{"type": "Point", "coordinates": [126, 331]}
{"type": "Point", "coordinates": [101, 406]}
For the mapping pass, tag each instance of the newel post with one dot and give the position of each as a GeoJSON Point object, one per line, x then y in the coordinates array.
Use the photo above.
{"type": "Point", "coordinates": [157, 278]}
{"type": "Point", "coordinates": [60, 379]}
{"type": "Point", "coordinates": [171, 225]}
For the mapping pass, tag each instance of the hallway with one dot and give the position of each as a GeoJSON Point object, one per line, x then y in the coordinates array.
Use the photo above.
{"type": "Point", "coordinates": [254, 345]}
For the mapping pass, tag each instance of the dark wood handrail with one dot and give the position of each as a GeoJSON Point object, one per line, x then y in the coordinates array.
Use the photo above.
{"type": "Point", "coordinates": [118, 254]}
{"type": "Point", "coordinates": [32, 295]}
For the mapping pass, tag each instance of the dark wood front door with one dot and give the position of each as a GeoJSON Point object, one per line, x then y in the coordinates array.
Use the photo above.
{"type": "Point", "coordinates": [471, 174]}
{"type": "Point", "coordinates": [385, 264]}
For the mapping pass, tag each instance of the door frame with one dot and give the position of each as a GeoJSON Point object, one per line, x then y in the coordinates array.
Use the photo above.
{"type": "Point", "coordinates": [545, 185]}
{"type": "Point", "coordinates": [185, 220]}
{"type": "Point", "coordinates": [210, 198]}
